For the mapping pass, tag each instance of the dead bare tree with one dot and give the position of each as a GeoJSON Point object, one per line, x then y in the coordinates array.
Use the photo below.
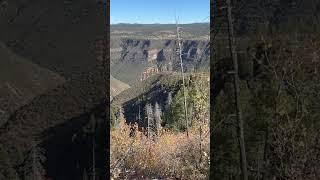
{"type": "Point", "coordinates": [85, 175]}
{"type": "Point", "coordinates": [120, 117]}
{"type": "Point", "coordinates": [157, 117]}
{"type": "Point", "coordinates": [92, 118]}
{"type": "Point", "coordinates": [33, 166]}
{"type": "Point", "coordinates": [182, 74]}
{"type": "Point", "coordinates": [149, 117]}
{"type": "Point", "coordinates": [237, 93]}
{"type": "Point", "coordinates": [139, 116]}
{"type": "Point", "coordinates": [169, 100]}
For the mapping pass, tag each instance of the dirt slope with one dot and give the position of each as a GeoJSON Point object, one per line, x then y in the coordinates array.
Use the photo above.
{"type": "Point", "coordinates": [117, 86]}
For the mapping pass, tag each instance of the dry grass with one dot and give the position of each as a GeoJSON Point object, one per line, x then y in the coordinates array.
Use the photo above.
{"type": "Point", "coordinates": [168, 156]}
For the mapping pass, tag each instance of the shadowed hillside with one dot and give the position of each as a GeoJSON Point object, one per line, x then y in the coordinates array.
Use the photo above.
{"type": "Point", "coordinates": [21, 81]}
{"type": "Point", "coordinates": [66, 38]}
{"type": "Point", "coordinates": [58, 35]}
{"type": "Point", "coordinates": [154, 89]}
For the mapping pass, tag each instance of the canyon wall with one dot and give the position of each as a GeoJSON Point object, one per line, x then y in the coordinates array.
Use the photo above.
{"type": "Point", "coordinates": [130, 58]}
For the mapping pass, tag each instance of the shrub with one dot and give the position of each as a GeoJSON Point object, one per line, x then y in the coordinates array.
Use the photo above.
{"type": "Point", "coordinates": [169, 155]}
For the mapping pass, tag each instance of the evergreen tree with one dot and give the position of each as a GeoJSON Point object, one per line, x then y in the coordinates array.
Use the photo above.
{"type": "Point", "coordinates": [33, 165]}
{"type": "Point", "coordinates": [175, 117]}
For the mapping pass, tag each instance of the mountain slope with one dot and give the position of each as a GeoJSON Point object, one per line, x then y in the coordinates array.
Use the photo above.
{"type": "Point", "coordinates": [116, 86]}
{"type": "Point", "coordinates": [58, 35]}
{"type": "Point", "coordinates": [21, 81]}
{"type": "Point", "coordinates": [68, 38]}
{"type": "Point", "coordinates": [154, 89]}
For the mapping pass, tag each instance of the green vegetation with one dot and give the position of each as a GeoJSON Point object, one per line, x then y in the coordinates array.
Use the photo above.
{"type": "Point", "coordinates": [198, 106]}
{"type": "Point", "coordinates": [156, 145]}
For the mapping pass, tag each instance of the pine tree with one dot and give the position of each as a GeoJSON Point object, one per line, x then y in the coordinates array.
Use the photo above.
{"type": "Point", "coordinates": [175, 116]}
{"type": "Point", "coordinates": [33, 165]}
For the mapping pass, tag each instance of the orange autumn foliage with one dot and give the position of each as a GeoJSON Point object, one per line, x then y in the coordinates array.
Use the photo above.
{"type": "Point", "coordinates": [169, 155]}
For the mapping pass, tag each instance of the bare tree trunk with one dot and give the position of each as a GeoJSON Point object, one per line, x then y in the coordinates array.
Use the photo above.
{"type": "Point", "coordinates": [236, 94]}
{"type": "Point", "coordinates": [200, 144]}
{"type": "Point", "coordinates": [84, 176]}
{"type": "Point", "coordinates": [139, 117]}
{"type": "Point", "coordinates": [148, 127]}
{"type": "Point", "coordinates": [149, 113]}
{"type": "Point", "coordinates": [93, 148]}
{"type": "Point", "coordinates": [157, 118]}
{"type": "Point", "coordinates": [93, 159]}
{"type": "Point", "coordinates": [183, 81]}
{"type": "Point", "coordinates": [34, 163]}
{"type": "Point", "coordinates": [264, 175]}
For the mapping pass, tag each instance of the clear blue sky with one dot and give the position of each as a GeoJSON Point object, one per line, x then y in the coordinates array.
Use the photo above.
{"type": "Point", "coordinates": [159, 11]}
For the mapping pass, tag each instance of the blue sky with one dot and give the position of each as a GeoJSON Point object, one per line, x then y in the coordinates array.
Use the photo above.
{"type": "Point", "coordinates": [159, 11]}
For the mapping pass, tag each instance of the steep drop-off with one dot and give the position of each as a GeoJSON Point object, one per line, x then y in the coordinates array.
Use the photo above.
{"type": "Point", "coordinates": [130, 57]}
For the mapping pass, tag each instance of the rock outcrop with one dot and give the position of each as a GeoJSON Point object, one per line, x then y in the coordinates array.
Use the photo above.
{"type": "Point", "coordinates": [137, 55]}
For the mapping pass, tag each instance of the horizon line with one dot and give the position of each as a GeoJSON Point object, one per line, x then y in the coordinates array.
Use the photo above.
{"type": "Point", "coordinates": [159, 23]}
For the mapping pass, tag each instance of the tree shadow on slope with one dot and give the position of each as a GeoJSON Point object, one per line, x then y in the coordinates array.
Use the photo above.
{"type": "Point", "coordinates": [69, 147]}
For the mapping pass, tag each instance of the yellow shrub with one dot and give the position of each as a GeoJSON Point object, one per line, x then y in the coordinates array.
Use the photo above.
{"type": "Point", "coordinates": [168, 155]}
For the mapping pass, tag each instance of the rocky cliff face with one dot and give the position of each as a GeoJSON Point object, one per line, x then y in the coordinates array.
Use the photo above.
{"type": "Point", "coordinates": [130, 57]}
